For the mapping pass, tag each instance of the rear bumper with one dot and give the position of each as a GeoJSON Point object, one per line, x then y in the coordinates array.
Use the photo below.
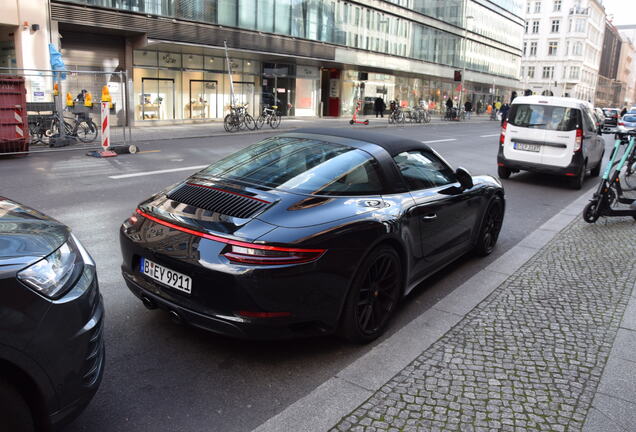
{"type": "Point", "coordinates": [573, 168]}
{"type": "Point", "coordinates": [230, 325]}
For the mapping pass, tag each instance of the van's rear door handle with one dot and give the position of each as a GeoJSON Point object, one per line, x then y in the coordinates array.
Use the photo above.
{"type": "Point", "coordinates": [429, 217]}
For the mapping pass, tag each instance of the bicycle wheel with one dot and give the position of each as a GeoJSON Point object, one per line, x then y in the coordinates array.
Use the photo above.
{"type": "Point", "coordinates": [402, 118]}
{"type": "Point", "coordinates": [249, 121]}
{"type": "Point", "coordinates": [260, 121]}
{"type": "Point", "coordinates": [87, 131]}
{"type": "Point", "coordinates": [35, 131]}
{"type": "Point", "coordinates": [228, 123]}
{"type": "Point", "coordinates": [274, 120]}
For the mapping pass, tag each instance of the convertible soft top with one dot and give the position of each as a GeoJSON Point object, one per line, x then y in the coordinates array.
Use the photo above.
{"type": "Point", "coordinates": [391, 143]}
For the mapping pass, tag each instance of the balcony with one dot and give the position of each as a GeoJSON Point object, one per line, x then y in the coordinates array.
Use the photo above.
{"type": "Point", "coordinates": [579, 11]}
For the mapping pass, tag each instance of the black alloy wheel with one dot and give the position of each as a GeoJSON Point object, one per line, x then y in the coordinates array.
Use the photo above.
{"type": "Point", "coordinates": [373, 297]}
{"type": "Point", "coordinates": [490, 228]}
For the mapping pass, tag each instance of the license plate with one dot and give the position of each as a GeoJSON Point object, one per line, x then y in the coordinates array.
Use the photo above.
{"type": "Point", "coordinates": [166, 276]}
{"type": "Point", "coordinates": [527, 147]}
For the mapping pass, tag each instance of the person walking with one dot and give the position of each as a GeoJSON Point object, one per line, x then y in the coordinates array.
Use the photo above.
{"type": "Point", "coordinates": [498, 105]}
{"type": "Point", "coordinates": [468, 107]}
{"type": "Point", "coordinates": [504, 113]}
{"type": "Point", "coordinates": [449, 103]}
{"type": "Point", "coordinates": [379, 106]}
{"type": "Point", "coordinates": [480, 107]}
{"type": "Point", "coordinates": [623, 111]}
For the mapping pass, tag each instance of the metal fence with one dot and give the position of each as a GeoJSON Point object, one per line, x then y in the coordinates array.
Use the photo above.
{"type": "Point", "coordinates": [75, 101]}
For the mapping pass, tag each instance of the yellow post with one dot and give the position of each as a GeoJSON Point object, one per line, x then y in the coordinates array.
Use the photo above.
{"type": "Point", "coordinates": [69, 99]}
{"type": "Point", "coordinates": [56, 89]}
{"type": "Point", "coordinates": [88, 99]}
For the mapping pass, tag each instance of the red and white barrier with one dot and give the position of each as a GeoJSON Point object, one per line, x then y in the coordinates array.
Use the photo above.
{"type": "Point", "coordinates": [105, 126]}
{"type": "Point", "coordinates": [19, 132]}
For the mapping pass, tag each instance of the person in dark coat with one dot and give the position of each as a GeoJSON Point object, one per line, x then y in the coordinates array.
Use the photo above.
{"type": "Point", "coordinates": [379, 106]}
{"type": "Point", "coordinates": [468, 107]}
{"type": "Point", "coordinates": [504, 113]}
{"type": "Point", "coordinates": [449, 103]}
{"type": "Point", "coordinates": [624, 111]}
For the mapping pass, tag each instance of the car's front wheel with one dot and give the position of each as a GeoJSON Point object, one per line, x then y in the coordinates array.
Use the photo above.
{"type": "Point", "coordinates": [373, 297]}
{"type": "Point", "coordinates": [490, 227]}
{"type": "Point", "coordinates": [503, 172]}
{"type": "Point", "coordinates": [15, 414]}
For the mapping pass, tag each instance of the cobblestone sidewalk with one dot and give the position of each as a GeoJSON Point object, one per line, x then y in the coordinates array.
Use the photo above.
{"type": "Point", "coordinates": [530, 356]}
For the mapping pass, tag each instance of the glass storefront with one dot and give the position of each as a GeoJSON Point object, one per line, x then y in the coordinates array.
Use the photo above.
{"type": "Point", "coordinates": [352, 25]}
{"type": "Point", "coordinates": [175, 86]}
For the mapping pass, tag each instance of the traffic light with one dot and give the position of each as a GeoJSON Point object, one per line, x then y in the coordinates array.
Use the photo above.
{"type": "Point", "coordinates": [458, 75]}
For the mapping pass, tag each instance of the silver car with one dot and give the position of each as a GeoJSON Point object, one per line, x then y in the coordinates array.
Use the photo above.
{"type": "Point", "coordinates": [627, 123]}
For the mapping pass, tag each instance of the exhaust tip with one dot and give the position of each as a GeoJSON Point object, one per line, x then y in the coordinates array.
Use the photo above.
{"type": "Point", "coordinates": [149, 304]}
{"type": "Point", "coordinates": [175, 317]}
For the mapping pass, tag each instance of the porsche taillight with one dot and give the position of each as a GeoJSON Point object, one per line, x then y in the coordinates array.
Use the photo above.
{"type": "Point", "coordinates": [270, 255]}
{"type": "Point", "coordinates": [578, 141]}
{"type": "Point", "coordinates": [502, 137]}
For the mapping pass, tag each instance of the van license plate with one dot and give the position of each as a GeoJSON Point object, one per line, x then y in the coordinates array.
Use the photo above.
{"type": "Point", "coordinates": [527, 147]}
{"type": "Point", "coordinates": [166, 276]}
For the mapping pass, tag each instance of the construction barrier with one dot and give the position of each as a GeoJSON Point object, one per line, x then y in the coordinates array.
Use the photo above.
{"type": "Point", "coordinates": [14, 130]}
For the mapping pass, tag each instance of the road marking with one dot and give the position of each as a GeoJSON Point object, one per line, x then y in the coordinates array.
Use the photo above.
{"type": "Point", "coordinates": [438, 141]}
{"type": "Point", "coordinates": [148, 151]}
{"type": "Point", "coordinates": [140, 174]}
{"type": "Point", "coordinates": [488, 136]}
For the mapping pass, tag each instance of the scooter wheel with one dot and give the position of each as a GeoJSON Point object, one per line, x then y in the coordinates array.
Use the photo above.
{"type": "Point", "coordinates": [350, 122]}
{"type": "Point", "coordinates": [590, 213]}
{"type": "Point", "coordinates": [366, 122]}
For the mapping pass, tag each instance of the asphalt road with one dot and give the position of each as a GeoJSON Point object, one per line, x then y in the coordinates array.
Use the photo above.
{"type": "Point", "coordinates": [165, 377]}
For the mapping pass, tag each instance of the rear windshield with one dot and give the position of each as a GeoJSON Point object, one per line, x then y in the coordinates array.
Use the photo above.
{"type": "Point", "coordinates": [545, 117]}
{"type": "Point", "coordinates": [630, 118]}
{"type": "Point", "coordinates": [610, 113]}
{"type": "Point", "coordinates": [301, 165]}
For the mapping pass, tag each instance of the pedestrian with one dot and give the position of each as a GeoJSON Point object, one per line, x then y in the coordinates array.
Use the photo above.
{"type": "Point", "coordinates": [379, 106]}
{"type": "Point", "coordinates": [504, 113]}
{"type": "Point", "coordinates": [498, 105]}
{"type": "Point", "coordinates": [624, 111]}
{"type": "Point", "coordinates": [480, 107]}
{"type": "Point", "coordinates": [468, 107]}
{"type": "Point", "coordinates": [449, 103]}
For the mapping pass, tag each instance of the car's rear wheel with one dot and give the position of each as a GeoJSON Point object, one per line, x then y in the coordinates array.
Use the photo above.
{"type": "Point", "coordinates": [15, 414]}
{"type": "Point", "coordinates": [503, 172]}
{"type": "Point", "coordinates": [596, 171]}
{"type": "Point", "coordinates": [373, 297]}
{"type": "Point", "coordinates": [579, 179]}
{"type": "Point", "coordinates": [490, 227]}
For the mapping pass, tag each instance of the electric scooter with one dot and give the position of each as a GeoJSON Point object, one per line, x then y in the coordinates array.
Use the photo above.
{"type": "Point", "coordinates": [355, 115]}
{"type": "Point", "coordinates": [609, 190]}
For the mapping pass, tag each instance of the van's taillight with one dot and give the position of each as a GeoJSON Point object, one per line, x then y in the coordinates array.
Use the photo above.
{"type": "Point", "coordinates": [502, 137]}
{"type": "Point", "coordinates": [578, 142]}
{"type": "Point", "coordinates": [270, 255]}
{"type": "Point", "coordinates": [620, 123]}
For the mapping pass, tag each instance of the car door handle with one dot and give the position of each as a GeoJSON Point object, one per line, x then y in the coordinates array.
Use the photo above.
{"type": "Point", "coordinates": [429, 217]}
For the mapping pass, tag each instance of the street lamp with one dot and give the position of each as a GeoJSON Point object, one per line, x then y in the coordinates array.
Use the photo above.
{"type": "Point", "coordinates": [461, 92]}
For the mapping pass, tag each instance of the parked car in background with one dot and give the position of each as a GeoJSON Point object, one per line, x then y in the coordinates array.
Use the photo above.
{"type": "Point", "coordinates": [627, 122]}
{"type": "Point", "coordinates": [51, 320]}
{"type": "Point", "coordinates": [632, 110]}
{"type": "Point", "coordinates": [611, 116]}
{"type": "Point", "coordinates": [599, 116]}
{"type": "Point", "coordinates": [551, 135]}
{"type": "Point", "coordinates": [310, 232]}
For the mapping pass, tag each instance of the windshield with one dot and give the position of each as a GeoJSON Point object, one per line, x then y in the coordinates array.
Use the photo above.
{"type": "Point", "coordinates": [301, 165]}
{"type": "Point", "coordinates": [547, 117]}
{"type": "Point", "coordinates": [629, 119]}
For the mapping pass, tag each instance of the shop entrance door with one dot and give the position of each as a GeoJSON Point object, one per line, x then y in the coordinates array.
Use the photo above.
{"type": "Point", "coordinates": [278, 91]}
{"type": "Point", "coordinates": [244, 94]}
{"type": "Point", "coordinates": [158, 99]}
{"type": "Point", "coordinates": [203, 99]}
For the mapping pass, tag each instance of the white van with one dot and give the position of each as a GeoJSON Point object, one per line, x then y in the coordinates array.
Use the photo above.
{"type": "Point", "coordinates": [551, 135]}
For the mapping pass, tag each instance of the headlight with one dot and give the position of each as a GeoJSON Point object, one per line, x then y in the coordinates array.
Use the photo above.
{"type": "Point", "coordinates": [52, 275]}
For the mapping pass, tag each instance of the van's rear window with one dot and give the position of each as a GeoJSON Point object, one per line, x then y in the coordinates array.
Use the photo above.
{"type": "Point", "coordinates": [545, 117]}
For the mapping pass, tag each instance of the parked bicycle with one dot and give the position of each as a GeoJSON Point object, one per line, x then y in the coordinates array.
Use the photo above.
{"type": "Point", "coordinates": [238, 118]}
{"type": "Point", "coordinates": [397, 114]}
{"type": "Point", "coordinates": [454, 114]}
{"type": "Point", "coordinates": [269, 116]}
{"type": "Point", "coordinates": [43, 127]}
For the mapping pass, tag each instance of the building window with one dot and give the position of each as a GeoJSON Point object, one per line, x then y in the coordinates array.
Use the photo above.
{"type": "Point", "coordinates": [574, 72]}
{"type": "Point", "coordinates": [523, 69]}
{"type": "Point", "coordinates": [548, 72]}
{"type": "Point", "coordinates": [530, 71]}
{"type": "Point", "coordinates": [557, 6]}
{"type": "Point", "coordinates": [525, 46]}
{"type": "Point", "coordinates": [555, 26]}
{"type": "Point", "coordinates": [565, 70]}
{"type": "Point", "coordinates": [552, 48]}
{"type": "Point", "coordinates": [526, 27]}
{"type": "Point", "coordinates": [580, 25]}
{"type": "Point", "coordinates": [533, 49]}
{"type": "Point", "coordinates": [537, 7]}
{"type": "Point", "coordinates": [577, 49]}
{"type": "Point", "coordinates": [528, 7]}
{"type": "Point", "coordinates": [535, 27]}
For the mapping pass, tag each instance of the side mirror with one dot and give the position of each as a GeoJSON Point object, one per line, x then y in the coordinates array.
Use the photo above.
{"type": "Point", "coordinates": [464, 178]}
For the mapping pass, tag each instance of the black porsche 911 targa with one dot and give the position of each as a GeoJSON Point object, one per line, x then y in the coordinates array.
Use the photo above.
{"type": "Point", "coordinates": [309, 232]}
